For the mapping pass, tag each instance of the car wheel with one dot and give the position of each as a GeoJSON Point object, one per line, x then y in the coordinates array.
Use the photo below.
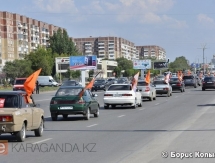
{"type": "Point", "coordinates": [87, 115]}
{"type": "Point", "coordinates": [21, 135]}
{"type": "Point", "coordinates": [113, 106]}
{"type": "Point", "coordinates": [141, 104]}
{"type": "Point", "coordinates": [195, 86]}
{"type": "Point", "coordinates": [203, 89]}
{"type": "Point", "coordinates": [150, 98]}
{"type": "Point", "coordinates": [168, 94]}
{"type": "Point", "coordinates": [134, 106]}
{"type": "Point", "coordinates": [106, 107]}
{"type": "Point", "coordinates": [39, 131]}
{"type": "Point", "coordinates": [54, 117]}
{"type": "Point", "coordinates": [154, 98]}
{"type": "Point", "coordinates": [97, 112]}
{"type": "Point", "coordinates": [65, 116]}
{"type": "Point", "coordinates": [182, 90]}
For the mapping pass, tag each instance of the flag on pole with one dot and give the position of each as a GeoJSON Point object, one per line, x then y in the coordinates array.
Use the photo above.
{"type": "Point", "coordinates": [30, 82]}
{"type": "Point", "coordinates": [89, 86]}
{"type": "Point", "coordinates": [179, 74]}
{"type": "Point", "coordinates": [167, 78]}
{"type": "Point", "coordinates": [134, 82]}
{"type": "Point", "coordinates": [148, 76]}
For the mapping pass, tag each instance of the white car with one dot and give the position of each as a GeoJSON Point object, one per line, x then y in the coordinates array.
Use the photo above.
{"type": "Point", "coordinates": [121, 94]}
{"type": "Point", "coordinates": [163, 88]}
{"type": "Point", "coordinates": [147, 90]}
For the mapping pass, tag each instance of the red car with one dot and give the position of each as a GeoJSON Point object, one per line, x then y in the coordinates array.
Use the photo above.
{"type": "Point", "coordinates": [19, 84]}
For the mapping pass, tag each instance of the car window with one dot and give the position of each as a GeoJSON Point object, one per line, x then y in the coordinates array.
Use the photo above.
{"type": "Point", "coordinates": [99, 81]}
{"type": "Point", "coordinates": [68, 91]}
{"type": "Point", "coordinates": [207, 79]}
{"type": "Point", "coordinates": [142, 83]}
{"type": "Point", "coordinates": [20, 81]}
{"type": "Point", "coordinates": [119, 87]}
{"type": "Point", "coordinates": [159, 82]}
{"type": "Point", "coordinates": [10, 101]}
{"type": "Point", "coordinates": [188, 77]}
{"type": "Point", "coordinates": [173, 79]}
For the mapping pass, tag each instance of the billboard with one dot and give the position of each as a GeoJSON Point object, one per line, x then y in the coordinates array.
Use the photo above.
{"type": "Point", "coordinates": [83, 62]}
{"type": "Point", "coordinates": [142, 64]}
{"type": "Point", "coordinates": [160, 65]}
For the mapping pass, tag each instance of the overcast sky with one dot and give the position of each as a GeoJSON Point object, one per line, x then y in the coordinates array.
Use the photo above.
{"type": "Point", "coordinates": [181, 27]}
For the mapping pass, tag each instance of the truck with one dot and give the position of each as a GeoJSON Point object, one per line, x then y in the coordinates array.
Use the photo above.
{"type": "Point", "coordinates": [47, 81]}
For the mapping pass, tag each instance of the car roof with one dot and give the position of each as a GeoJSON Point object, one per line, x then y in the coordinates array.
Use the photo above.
{"type": "Point", "coordinates": [21, 78]}
{"type": "Point", "coordinates": [12, 92]}
{"type": "Point", "coordinates": [71, 87]}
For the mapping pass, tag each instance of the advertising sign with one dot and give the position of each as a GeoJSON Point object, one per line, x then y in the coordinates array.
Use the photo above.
{"type": "Point", "coordinates": [160, 65]}
{"type": "Point", "coordinates": [142, 64]}
{"type": "Point", "coordinates": [83, 62]}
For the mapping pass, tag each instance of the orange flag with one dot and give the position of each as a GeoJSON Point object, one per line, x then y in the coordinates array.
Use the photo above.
{"type": "Point", "coordinates": [134, 82]}
{"type": "Point", "coordinates": [30, 82]}
{"type": "Point", "coordinates": [88, 86]}
{"type": "Point", "coordinates": [148, 77]}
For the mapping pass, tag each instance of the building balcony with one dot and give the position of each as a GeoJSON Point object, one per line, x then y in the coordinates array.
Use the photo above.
{"type": "Point", "coordinates": [87, 44]}
{"type": "Point", "coordinates": [88, 51]}
{"type": "Point", "coordinates": [101, 43]}
{"type": "Point", "coordinates": [25, 27]}
{"type": "Point", "coordinates": [19, 25]}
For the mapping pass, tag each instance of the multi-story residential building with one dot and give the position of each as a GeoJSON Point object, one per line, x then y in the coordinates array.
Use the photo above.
{"type": "Point", "coordinates": [19, 35]}
{"type": "Point", "coordinates": [151, 51]}
{"type": "Point", "coordinates": [107, 47]}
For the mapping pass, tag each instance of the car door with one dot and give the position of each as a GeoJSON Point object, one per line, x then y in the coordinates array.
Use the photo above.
{"type": "Point", "coordinates": [27, 113]}
{"type": "Point", "coordinates": [94, 103]}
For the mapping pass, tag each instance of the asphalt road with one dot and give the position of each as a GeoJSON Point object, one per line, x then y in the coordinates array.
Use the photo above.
{"type": "Point", "coordinates": [184, 122]}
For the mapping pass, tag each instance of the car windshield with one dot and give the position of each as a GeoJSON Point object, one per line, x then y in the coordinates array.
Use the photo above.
{"type": "Point", "coordinates": [208, 79]}
{"type": "Point", "coordinates": [99, 81]}
{"type": "Point", "coordinates": [119, 88]}
{"type": "Point", "coordinates": [20, 81]}
{"type": "Point", "coordinates": [160, 76]}
{"type": "Point", "coordinates": [68, 83]}
{"type": "Point", "coordinates": [173, 79]}
{"type": "Point", "coordinates": [9, 101]}
{"type": "Point", "coordinates": [159, 82]}
{"type": "Point", "coordinates": [68, 91]}
{"type": "Point", "coordinates": [188, 77]}
{"type": "Point", "coordinates": [142, 83]}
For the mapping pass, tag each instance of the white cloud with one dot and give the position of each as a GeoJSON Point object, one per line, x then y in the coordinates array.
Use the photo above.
{"type": "Point", "coordinates": [174, 23]}
{"type": "Point", "coordinates": [205, 20]}
{"type": "Point", "coordinates": [56, 6]}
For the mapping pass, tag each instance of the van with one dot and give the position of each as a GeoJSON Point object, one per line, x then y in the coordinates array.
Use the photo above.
{"type": "Point", "coordinates": [19, 84]}
{"type": "Point", "coordinates": [47, 81]}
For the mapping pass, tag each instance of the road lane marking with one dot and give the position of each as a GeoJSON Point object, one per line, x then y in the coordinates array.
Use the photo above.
{"type": "Point", "coordinates": [140, 109]}
{"type": "Point", "coordinates": [157, 104]}
{"type": "Point", "coordinates": [121, 116]}
{"type": "Point", "coordinates": [176, 96]}
{"type": "Point", "coordinates": [43, 100]}
{"type": "Point", "coordinates": [41, 141]}
{"type": "Point", "coordinates": [92, 125]}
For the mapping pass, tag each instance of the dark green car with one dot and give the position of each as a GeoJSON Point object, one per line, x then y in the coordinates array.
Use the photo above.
{"type": "Point", "coordinates": [67, 102]}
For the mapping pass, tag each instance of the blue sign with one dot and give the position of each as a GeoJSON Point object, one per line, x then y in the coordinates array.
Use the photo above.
{"type": "Point", "coordinates": [83, 62]}
{"type": "Point", "coordinates": [195, 65]}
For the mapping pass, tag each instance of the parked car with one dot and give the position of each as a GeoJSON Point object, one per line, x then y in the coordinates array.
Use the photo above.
{"type": "Point", "coordinates": [147, 90]}
{"type": "Point", "coordinates": [121, 94]}
{"type": "Point", "coordinates": [67, 102]}
{"type": "Point", "coordinates": [190, 80]}
{"type": "Point", "coordinates": [176, 84]}
{"type": "Point", "coordinates": [99, 84]}
{"type": "Point", "coordinates": [17, 116]}
{"type": "Point", "coordinates": [70, 83]}
{"type": "Point", "coordinates": [47, 81]}
{"type": "Point", "coordinates": [162, 87]}
{"type": "Point", "coordinates": [19, 84]}
{"type": "Point", "coordinates": [208, 83]}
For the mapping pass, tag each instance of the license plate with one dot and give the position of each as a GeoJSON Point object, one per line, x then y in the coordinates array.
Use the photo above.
{"type": "Point", "coordinates": [173, 84]}
{"type": "Point", "coordinates": [209, 82]}
{"type": "Point", "coordinates": [65, 107]}
{"type": "Point", "coordinates": [117, 95]}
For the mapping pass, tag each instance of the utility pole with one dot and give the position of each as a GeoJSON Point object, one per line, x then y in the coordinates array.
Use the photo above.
{"type": "Point", "coordinates": [203, 48]}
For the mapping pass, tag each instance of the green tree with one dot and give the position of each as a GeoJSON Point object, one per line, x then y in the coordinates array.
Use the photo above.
{"type": "Point", "coordinates": [76, 74]}
{"type": "Point", "coordinates": [180, 63]}
{"type": "Point", "coordinates": [124, 63]}
{"type": "Point", "coordinates": [60, 43]}
{"type": "Point", "coordinates": [17, 68]}
{"type": "Point", "coordinates": [117, 70]}
{"type": "Point", "coordinates": [41, 58]}
{"type": "Point", "coordinates": [91, 73]}
{"type": "Point", "coordinates": [128, 73]}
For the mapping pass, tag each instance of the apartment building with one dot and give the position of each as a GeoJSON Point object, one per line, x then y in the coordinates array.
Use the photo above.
{"type": "Point", "coordinates": [151, 51]}
{"type": "Point", "coordinates": [19, 35]}
{"type": "Point", "coordinates": [107, 47]}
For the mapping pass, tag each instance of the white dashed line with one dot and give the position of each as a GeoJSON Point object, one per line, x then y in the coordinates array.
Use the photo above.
{"type": "Point", "coordinates": [41, 141]}
{"type": "Point", "coordinates": [140, 109]}
{"type": "Point", "coordinates": [121, 116]}
{"type": "Point", "coordinates": [92, 125]}
{"type": "Point", "coordinates": [157, 104]}
{"type": "Point", "coordinates": [176, 96]}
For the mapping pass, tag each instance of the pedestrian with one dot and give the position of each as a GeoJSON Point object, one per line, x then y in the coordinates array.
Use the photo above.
{"type": "Point", "coordinates": [37, 87]}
